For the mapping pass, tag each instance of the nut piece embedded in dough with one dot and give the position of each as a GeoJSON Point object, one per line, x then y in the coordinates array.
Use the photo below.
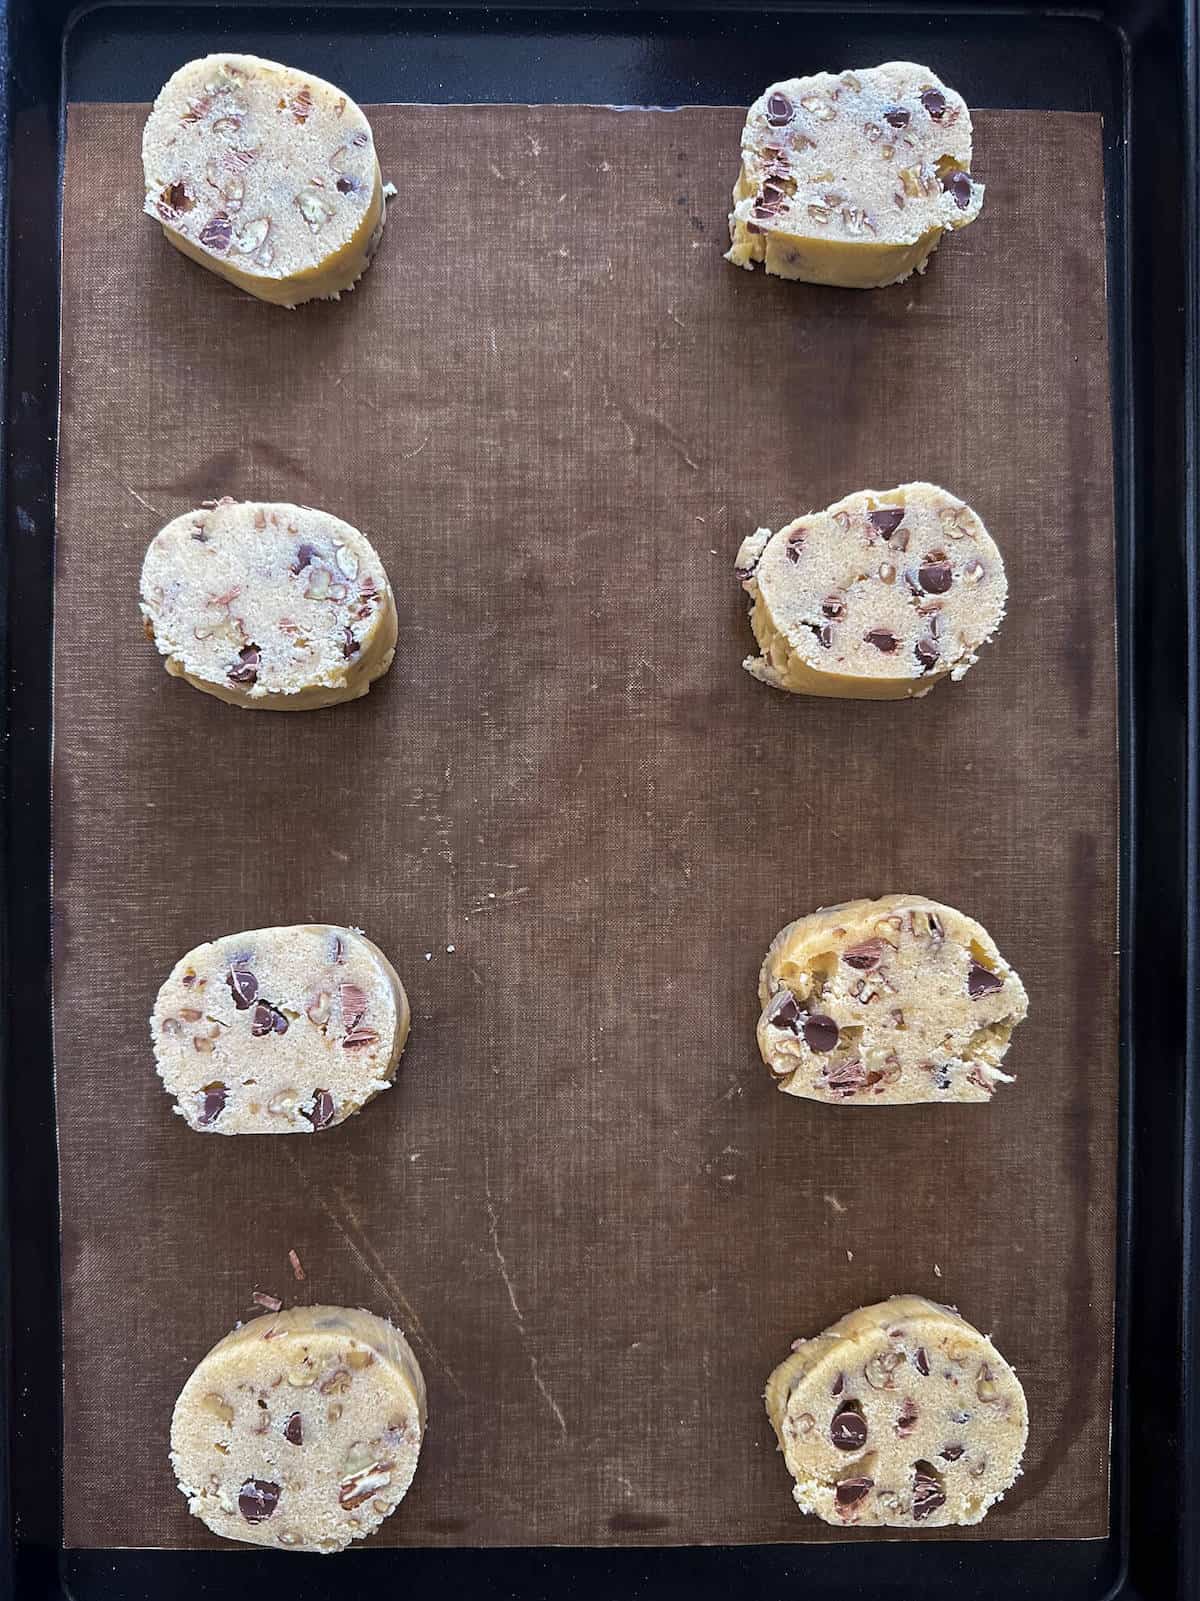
{"type": "Point", "coordinates": [265, 175]}
{"type": "Point", "coordinates": [878, 597]}
{"type": "Point", "coordinates": [852, 178]}
{"type": "Point", "coordinates": [279, 1030]}
{"type": "Point", "coordinates": [263, 1455]}
{"type": "Point", "coordinates": [268, 605]}
{"type": "Point", "coordinates": [900, 1415]}
{"type": "Point", "coordinates": [886, 1003]}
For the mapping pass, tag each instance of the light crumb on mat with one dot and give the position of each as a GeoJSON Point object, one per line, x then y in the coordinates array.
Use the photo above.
{"type": "Point", "coordinates": [271, 1302]}
{"type": "Point", "coordinates": [297, 1270]}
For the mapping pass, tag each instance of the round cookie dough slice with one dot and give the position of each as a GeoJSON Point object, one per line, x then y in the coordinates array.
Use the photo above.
{"type": "Point", "coordinates": [901, 1415]}
{"type": "Point", "coordinates": [887, 1002]}
{"type": "Point", "coordinates": [265, 175]}
{"type": "Point", "coordinates": [852, 178]}
{"type": "Point", "coordinates": [280, 1030]}
{"type": "Point", "coordinates": [301, 1429]}
{"type": "Point", "coordinates": [268, 605]}
{"type": "Point", "coordinates": [878, 597]}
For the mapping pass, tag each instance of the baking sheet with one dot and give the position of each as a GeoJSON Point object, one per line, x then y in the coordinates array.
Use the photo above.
{"type": "Point", "coordinates": [556, 412]}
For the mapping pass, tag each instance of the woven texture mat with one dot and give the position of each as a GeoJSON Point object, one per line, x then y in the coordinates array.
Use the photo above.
{"type": "Point", "coordinates": [574, 823]}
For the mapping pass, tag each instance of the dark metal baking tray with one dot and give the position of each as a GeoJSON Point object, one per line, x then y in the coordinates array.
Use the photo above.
{"type": "Point", "coordinates": [1136, 63]}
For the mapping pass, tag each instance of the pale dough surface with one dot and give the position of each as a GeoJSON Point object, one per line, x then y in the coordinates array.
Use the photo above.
{"type": "Point", "coordinates": [265, 175]}
{"type": "Point", "coordinates": [279, 1030]}
{"type": "Point", "coordinates": [900, 1415]}
{"type": "Point", "coordinates": [852, 178]}
{"type": "Point", "coordinates": [878, 597]}
{"type": "Point", "coordinates": [300, 1430]}
{"type": "Point", "coordinates": [269, 606]}
{"type": "Point", "coordinates": [887, 1002]}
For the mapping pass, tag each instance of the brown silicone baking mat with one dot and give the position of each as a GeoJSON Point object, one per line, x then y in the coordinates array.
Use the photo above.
{"type": "Point", "coordinates": [575, 823]}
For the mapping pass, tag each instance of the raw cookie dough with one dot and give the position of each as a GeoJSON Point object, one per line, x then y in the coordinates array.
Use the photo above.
{"type": "Point", "coordinates": [301, 1429]}
{"type": "Point", "coordinates": [887, 1002]}
{"type": "Point", "coordinates": [279, 1030]}
{"type": "Point", "coordinates": [878, 597]}
{"type": "Point", "coordinates": [853, 178]}
{"type": "Point", "coordinates": [901, 1415]}
{"type": "Point", "coordinates": [266, 176]}
{"type": "Point", "coordinates": [271, 606]}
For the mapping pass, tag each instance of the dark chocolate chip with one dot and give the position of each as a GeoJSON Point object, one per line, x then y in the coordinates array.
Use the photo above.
{"type": "Point", "coordinates": [268, 1019]}
{"type": "Point", "coordinates": [928, 653]}
{"type": "Point", "coordinates": [249, 661]}
{"type": "Point", "coordinates": [882, 639]}
{"type": "Point", "coordinates": [935, 577]}
{"type": "Point", "coordinates": [848, 1431]}
{"type": "Point", "coordinates": [784, 1011]}
{"type": "Point", "coordinates": [845, 1078]}
{"type": "Point", "coordinates": [820, 1033]}
{"type": "Point", "coordinates": [350, 645]}
{"type": "Point", "coordinates": [825, 635]}
{"type": "Point", "coordinates": [243, 986]}
{"type": "Point", "coordinates": [212, 1103]}
{"type": "Point", "coordinates": [897, 116]}
{"type": "Point", "coordinates": [980, 981]}
{"type": "Point", "coordinates": [851, 1491]}
{"type": "Point", "coordinates": [304, 556]}
{"type": "Point", "coordinates": [833, 606]}
{"type": "Point", "coordinates": [921, 1361]}
{"type": "Point", "coordinates": [865, 957]}
{"type": "Point", "coordinates": [176, 196]}
{"type": "Point", "coordinates": [839, 1384]}
{"type": "Point", "coordinates": [293, 1429]}
{"type": "Point", "coordinates": [793, 550]}
{"type": "Point", "coordinates": [217, 232]}
{"type": "Point", "coordinates": [323, 1109]}
{"type": "Point", "coordinates": [934, 102]}
{"type": "Point", "coordinates": [952, 1453]}
{"type": "Point", "coordinates": [886, 520]}
{"type": "Point", "coordinates": [257, 1499]}
{"type": "Point", "coordinates": [928, 1494]}
{"type": "Point", "coordinates": [779, 110]}
{"type": "Point", "coordinates": [346, 186]}
{"type": "Point", "coordinates": [907, 1420]}
{"type": "Point", "coordinates": [958, 184]}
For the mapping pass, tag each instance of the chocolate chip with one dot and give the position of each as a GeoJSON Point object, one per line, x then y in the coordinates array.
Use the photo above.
{"type": "Point", "coordinates": [897, 116]}
{"type": "Point", "coordinates": [886, 521]}
{"type": "Point", "coordinates": [305, 555]}
{"type": "Point", "coordinates": [793, 550]}
{"type": "Point", "coordinates": [864, 957]}
{"type": "Point", "coordinates": [907, 1420]}
{"type": "Point", "coordinates": [211, 1103]}
{"type": "Point", "coordinates": [958, 184]}
{"type": "Point", "coordinates": [820, 1033]}
{"type": "Point", "coordinates": [833, 606]}
{"type": "Point", "coordinates": [935, 577]}
{"type": "Point", "coordinates": [323, 1109]}
{"type": "Point", "coordinates": [350, 645]}
{"type": "Point", "coordinates": [839, 1384]}
{"type": "Point", "coordinates": [268, 1019]}
{"type": "Point", "coordinates": [934, 102]}
{"type": "Point", "coordinates": [824, 635]}
{"type": "Point", "coordinates": [177, 197]}
{"type": "Point", "coordinates": [293, 1429]}
{"type": "Point", "coordinates": [928, 653]}
{"type": "Point", "coordinates": [217, 232]}
{"type": "Point", "coordinates": [981, 981]}
{"type": "Point", "coordinates": [779, 110]}
{"type": "Point", "coordinates": [257, 1499]}
{"type": "Point", "coordinates": [243, 986]}
{"type": "Point", "coordinates": [921, 1361]}
{"type": "Point", "coordinates": [845, 1078]}
{"type": "Point", "coordinates": [848, 1431]}
{"type": "Point", "coordinates": [952, 1453]}
{"type": "Point", "coordinates": [928, 1494]}
{"type": "Point", "coordinates": [882, 639]}
{"type": "Point", "coordinates": [250, 659]}
{"type": "Point", "coordinates": [851, 1491]}
{"type": "Point", "coordinates": [784, 1011]}
{"type": "Point", "coordinates": [346, 186]}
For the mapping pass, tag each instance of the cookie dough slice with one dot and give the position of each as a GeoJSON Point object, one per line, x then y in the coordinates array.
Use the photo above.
{"type": "Point", "coordinates": [300, 1429]}
{"type": "Point", "coordinates": [901, 1415]}
{"type": "Point", "coordinates": [265, 175]}
{"type": "Point", "coordinates": [887, 1002]}
{"type": "Point", "coordinates": [852, 178]}
{"type": "Point", "coordinates": [280, 1030]}
{"type": "Point", "coordinates": [879, 597]}
{"type": "Point", "coordinates": [268, 605]}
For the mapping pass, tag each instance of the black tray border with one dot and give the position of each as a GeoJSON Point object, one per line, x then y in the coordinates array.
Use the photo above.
{"type": "Point", "coordinates": [1154, 1548]}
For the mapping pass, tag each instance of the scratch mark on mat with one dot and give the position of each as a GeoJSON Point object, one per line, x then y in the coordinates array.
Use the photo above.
{"type": "Point", "coordinates": [375, 1268]}
{"type": "Point", "coordinates": [832, 1200]}
{"type": "Point", "coordinates": [130, 491]}
{"type": "Point", "coordinates": [506, 1277]}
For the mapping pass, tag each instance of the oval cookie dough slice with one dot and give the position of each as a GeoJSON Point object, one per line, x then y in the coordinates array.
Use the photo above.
{"type": "Point", "coordinates": [265, 175]}
{"type": "Point", "coordinates": [268, 605]}
{"type": "Point", "coordinates": [900, 1415]}
{"type": "Point", "coordinates": [887, 1002]}
{"type": "Point", "coordinates": [852, 178]}
{"type": "Point", "coordinates": [280, 1030]}
{"type": "Point", "coordinates": [878, 597]}
{"type": "Point", "coordinates": [301, 1429]}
